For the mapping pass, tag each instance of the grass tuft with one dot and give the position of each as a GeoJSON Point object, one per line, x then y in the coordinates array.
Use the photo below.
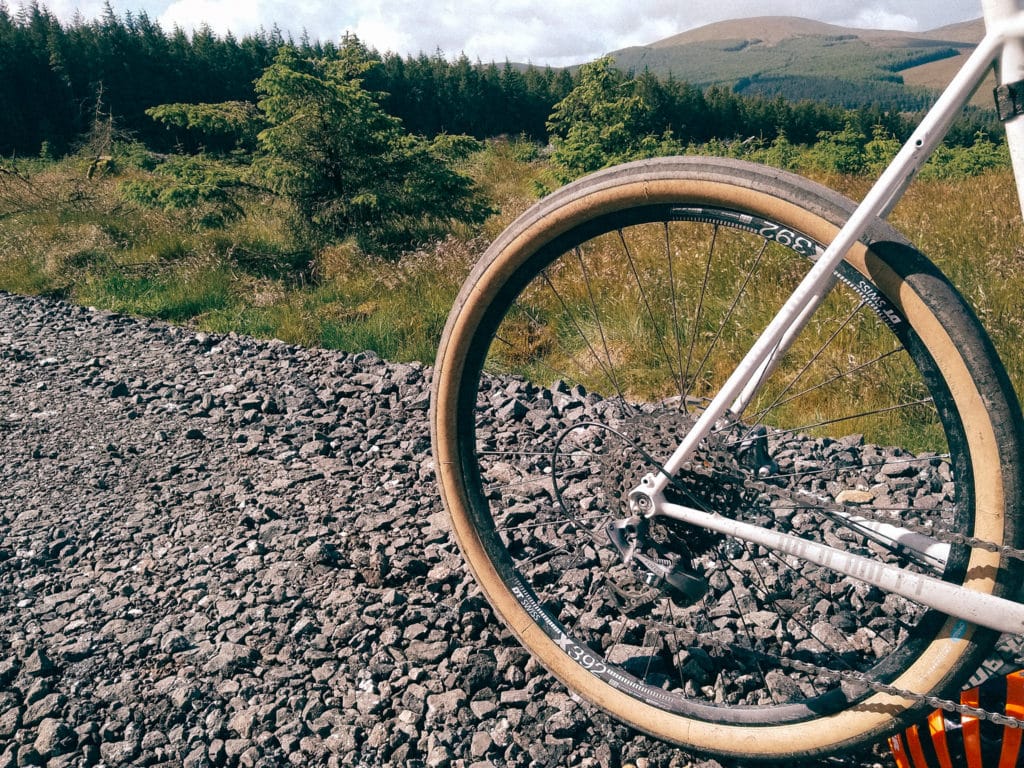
{"type": "Point", "coordinates": [64, 234]}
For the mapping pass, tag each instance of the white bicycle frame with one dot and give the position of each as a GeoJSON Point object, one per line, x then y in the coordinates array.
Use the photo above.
{"type": "Point", "coordinates": [1003, 43]}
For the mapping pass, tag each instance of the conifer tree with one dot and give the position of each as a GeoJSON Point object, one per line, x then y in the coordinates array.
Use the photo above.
{"type": "Point", "coordinates": [350, 168]}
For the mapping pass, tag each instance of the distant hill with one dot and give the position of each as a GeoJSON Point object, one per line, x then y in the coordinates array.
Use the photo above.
{"type": "Point", "coordinates": [935, 75]}
{"type": "Point", "coordinates": [800, 58]}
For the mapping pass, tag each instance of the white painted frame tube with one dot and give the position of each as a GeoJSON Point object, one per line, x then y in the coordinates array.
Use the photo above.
{"type": "Point", "coordinates": [876, 205]}
{"type": "Point", "coordinates": [953, 599]}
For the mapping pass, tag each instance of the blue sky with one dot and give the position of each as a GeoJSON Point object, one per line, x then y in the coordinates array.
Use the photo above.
{"type": "Point", "coordinates": [555, 32]}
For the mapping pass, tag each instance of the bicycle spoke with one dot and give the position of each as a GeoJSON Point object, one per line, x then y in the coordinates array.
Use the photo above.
{"type": "Point", "coordinates": [809, 364]}
{"type": "Point", "coordinates": [674, 303]}
{"type": "Point", "coordinates": [698, 310]}
{"type": "Point", "coordinates": [862, 368]}
{"type": "Point", "coordinates": [647, 304]}
{"type": "Point", "coordinates": [850, 417]}
{"type": "Point", "coordinates": [727, 316]}
{"type": "Point", "coordinates": [610, 370]}
{"type": "Point", "coordinates": [601, 365]}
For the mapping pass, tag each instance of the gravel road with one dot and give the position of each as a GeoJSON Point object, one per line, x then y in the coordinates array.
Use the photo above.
{"type": "Point", "coordinates": [216, 551]}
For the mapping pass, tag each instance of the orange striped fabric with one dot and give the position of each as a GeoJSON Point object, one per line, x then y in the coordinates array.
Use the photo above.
{"type": "Point", "coordinates": [971, 729]}
{"type": "Point", "coordinates": [1014, 708]}
{"type": "Point", "coordinates": [946, 741]}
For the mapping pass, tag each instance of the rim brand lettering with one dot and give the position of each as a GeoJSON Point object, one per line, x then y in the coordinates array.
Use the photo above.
{"type": "Point", "coordinates": [581, 655]}
{"type": "Point", "coordinates": [587, 658]}
{"type": "Point", "coordinates": [877, 303]}
{"type": "Point", "coordinates": [787, 237]}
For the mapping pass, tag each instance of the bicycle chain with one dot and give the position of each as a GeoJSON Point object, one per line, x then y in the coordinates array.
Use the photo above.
{"type": "Point", "coordinates": [823, 506]}
{"type": "Point", "coordinates": [947, 705]}
{"type": "Point", "coordinates": [949, 537]}
{"type": "Point", "coordinates": [859, 678]}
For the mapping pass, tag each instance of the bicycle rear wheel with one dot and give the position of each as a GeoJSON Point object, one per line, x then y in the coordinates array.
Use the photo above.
{"type": "Point", "coordinates": [582, 348]}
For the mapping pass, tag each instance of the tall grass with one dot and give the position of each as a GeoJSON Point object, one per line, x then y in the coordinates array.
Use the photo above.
{"type": "Point", "coordinates": [197, 287]}
{"type": "Point", "coordinates": [972, 229]}
{"type": "Point", "coordinates": [355, 303]}
{"type": "Point", "coordinates": [662, 313]}
{"type": "Point", "coordinates": [65, 234]}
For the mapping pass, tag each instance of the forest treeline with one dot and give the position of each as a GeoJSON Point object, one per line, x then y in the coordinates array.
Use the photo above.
{"type": "Point", "coordinates": [327, 194]}
{"type": "Point", "coordinates": [57, 78]}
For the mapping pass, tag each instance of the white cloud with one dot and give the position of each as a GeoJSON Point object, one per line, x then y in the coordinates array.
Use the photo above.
{"type": "Point", "coordinates": [879, 18]}
{"type": "Point", "coordinates": [239, 18]}
{"type": "Point", "coordinates": [243, 18]}
{"type": "Point", "coordinates": [553, 32]}
{"type": "Point", "coordinates": [480, 29]}
{"type": "Point", "coordinates": [66, 9]}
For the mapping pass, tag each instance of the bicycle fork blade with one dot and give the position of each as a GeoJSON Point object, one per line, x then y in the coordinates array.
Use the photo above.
{"type": "Point", "coordinates": [976, 607]}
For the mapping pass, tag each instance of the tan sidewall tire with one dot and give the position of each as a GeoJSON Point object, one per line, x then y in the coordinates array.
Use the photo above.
{"type": "Point", "coordinates": [815, 212]}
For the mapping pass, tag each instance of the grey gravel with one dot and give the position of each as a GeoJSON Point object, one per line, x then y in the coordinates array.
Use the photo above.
{"type": "Point", "coordinates": [216, 551]}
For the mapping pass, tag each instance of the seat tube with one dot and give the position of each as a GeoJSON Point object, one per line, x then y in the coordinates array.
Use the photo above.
{"type": "Point", "coordinates": [1010, 70]}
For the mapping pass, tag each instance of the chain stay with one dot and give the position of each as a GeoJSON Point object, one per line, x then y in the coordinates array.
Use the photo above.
{"type": "Point", "coordinates": [820, 505]}
{"type": "Point", "coordinates": [823, 506]}
{"type": "Point", "coordinates": [948, 537]}
{"type": "Point", "coordinates": [947, 705]}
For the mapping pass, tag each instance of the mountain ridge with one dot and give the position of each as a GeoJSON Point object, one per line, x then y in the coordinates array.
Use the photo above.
{"type": "Point", "coordinates": [800, 58]}
{"type": "Point", "coordinates": [772, 29]}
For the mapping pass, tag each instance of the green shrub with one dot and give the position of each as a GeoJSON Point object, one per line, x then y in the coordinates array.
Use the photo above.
{"type": "Point", "coordinates": [349, 168]}
{"type": "Point", "coordinates": [961, 162]}
{"type": "Point", "coordinates": [190, 183]}
{"type": "Point", "coordinates": [603, 121]}
{"type": "Point", "coordinates": [223, 126]}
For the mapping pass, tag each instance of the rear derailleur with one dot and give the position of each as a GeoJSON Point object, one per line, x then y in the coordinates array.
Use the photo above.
{"type": "Point", "coordinates": [672, 573]}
